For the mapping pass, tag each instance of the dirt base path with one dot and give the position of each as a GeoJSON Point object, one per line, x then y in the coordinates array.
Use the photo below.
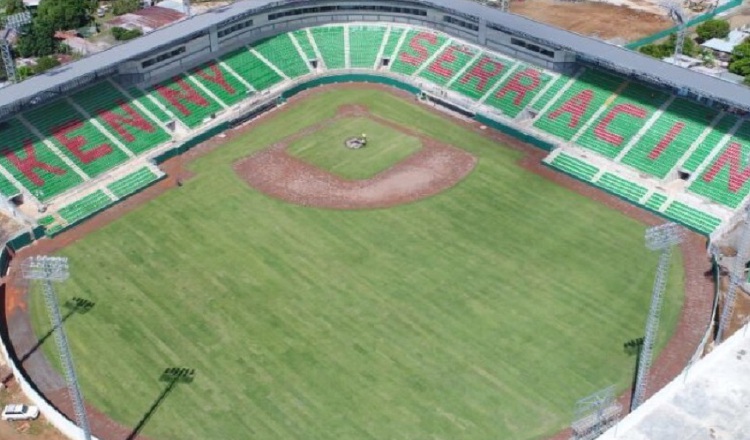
{"type": "Point", "coordinates": [693, 319]}
{"type": "Point", "coordinates": [433, 169]}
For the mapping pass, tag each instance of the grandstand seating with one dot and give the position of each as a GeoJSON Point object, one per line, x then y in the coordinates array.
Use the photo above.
{"type": "Point", "coordinates": [669, 138]}
{"type": "Point", "coordinates": [185, 100]}
{"type": "Point", "coordinates": [482, 75]}
{"type": "Point", "coordinates": [76, 137]}
{"type": "Point", "coordinates": [557, 85]}
{"type": "Point", "coordinates": [32, 163]}
{"type": "Point", "coordinates": [7, 189]}
{"type": "Point", "coordinates": [578, 104]}
{"type": "Point", "coordinates": [448, 63]}
{"type": "Point", "coordinates": [330, 42]}
{"type": "Point", "coordinates": [364, 45]}
{"type": "Point", "coordinates": [575, 167]}
{"type": "Point", "coordinates": [417, 48]}
{"type": "Point", "coordinates": [125, 121]}
{"type": "Point", "coordinates": [252, 69]}
{"type": "Point", "coordinates": [280, 51]}
{"type": "Point", "coordinates": [219, 81]}
{"type": "Point", "coordinates": [517, 90]}
{"type": "Point", "coordinates": [133, 182]}
{"type": "Point", "coordinates": [631, 125]}
{"type": "Point", "coordinates": [622, 119]}
{"type": "Point", "coordinates": [144, 99]}
{"type": "Point", "coordinates": [656, 201]}
{"type": "Point", "coordinates": [711, 141]}
{"type": "Point", "coordinates": [621, 187]}
{"type": "Point", "coordinates": [692, 217]}
{"type": "Point", "coordinates": [725, 179]}
{"type": "Point", "coordinates": [85, 207]}
{"type": "Point", "coordinates": [304, 43]}
{"type": "Point", "coordinates": [390, 45]}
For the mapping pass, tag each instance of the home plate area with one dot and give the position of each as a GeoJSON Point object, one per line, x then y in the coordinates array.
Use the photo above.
{"type": "Point", "coordinates": [385, 166]}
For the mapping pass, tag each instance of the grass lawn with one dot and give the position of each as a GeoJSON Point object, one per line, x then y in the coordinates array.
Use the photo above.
{"type": "Point", "coordinates": [484, 312]}
{"type": "Point", "coordinates": [325, 149]}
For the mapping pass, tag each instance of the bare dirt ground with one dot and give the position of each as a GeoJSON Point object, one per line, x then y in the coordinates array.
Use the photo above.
{"type": "Point", "coordinates": [602, 20]}
{"type": "Point", "coordinates": [693, 320]}
{"type": "Point", "coordinates": [431, 170]}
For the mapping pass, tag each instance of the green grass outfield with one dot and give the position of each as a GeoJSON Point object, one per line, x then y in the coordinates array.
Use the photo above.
{"type": "Point", "coordinates": [387, 147]}
{"type": "Point", "coordinates": [482, 313]}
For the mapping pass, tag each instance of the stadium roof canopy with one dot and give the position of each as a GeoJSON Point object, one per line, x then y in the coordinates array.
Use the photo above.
{"type": "Point", "coordinates": [591, 50]}
{"type": "Point", "coordinates": [708, 401]}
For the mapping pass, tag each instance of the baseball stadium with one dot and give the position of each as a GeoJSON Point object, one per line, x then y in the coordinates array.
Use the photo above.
{"type": "Point", "coordinates": [365, 219]}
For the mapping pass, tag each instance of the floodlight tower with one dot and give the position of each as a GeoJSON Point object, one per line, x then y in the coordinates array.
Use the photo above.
{"type": "Point", "coordinates": [736, 276]}
{"type": "Point", "coordinates": [14, 22]}
{"type": "Point", "coordinates": [661, 238]}
{"type": "Point", "coordinates": [49, 270]}
{"type": "Point", "coordinates": [677, 15]}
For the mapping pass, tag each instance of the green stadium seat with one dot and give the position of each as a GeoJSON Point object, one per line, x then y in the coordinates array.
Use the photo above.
{"type": "Point", "coordinates": [85, 207]}
{"type": "Point", "coordinates": [144, 99]}
{"type": "Point", "coordinates": [418, 47]}
{"type": "Point", "coordinates": [482, 75]}
{"type": "Point", "coordinates": [551, 92]}
{"type": "Point", "coordinates": [656, 201]}
{"type": "Point", "coordinates": [725, 179]}
{"type": "Point", "coordinates": [700, 154]}
{"type": "Point", "coordinates": [32, 163]}
{"type": "Point", "coordinates": [574, 167]}
{"type": "Point", "coordinates": [133, 182]}
{"type": "Point", "coordinates": [219, 81]}
{"type": "Point", "coordinates": [76, 137]}
{"type": "Point", "coordinates": [448, 63]}
{"type": "Point", "coordinates": [691, 217]}
{"type": "Point", "coordinates": [330, 42]}
{"type": "Point", "coordinates": [304, 42]}
{"type": "Point", "coordinates": [280, 51]}
{"type": "Point", "coordinates": [587, 95]}
{"type": "Point", "coordinates": [252, 69]}
{"type": "Point", "coordinates": [621, 187]}
{"type": "Point", "coordinates": [622, 119]}
{"type": "Point", "coordinates": [518, 89]}
{"type": "Point", "coordinates": [667, 141]}
{"type": "Point", "coordinates": [364, 45]}
{"type": "Point", "coordinates": [185, 100]}
{"type": "Point", "coordinates": [391, 44]}
{"type": "Point", "coordinates": [122, 119]}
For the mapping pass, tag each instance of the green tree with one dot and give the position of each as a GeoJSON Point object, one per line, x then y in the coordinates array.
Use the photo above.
{"type": "Point", "coordinates": [64, 14]}
{"type": "Point", "coordinates": [741, 51]}
{"type": "Point", "coordinates": [740, 67]}
{"type": "Point", "coordinates": [122, 34]}
{"type": "Point", "coordinates": [45, 63]}
{"type": "Point", "coordinates": [14, 7]}
{"type": "Point", "coordinates": [24, 72]}
{"type": "Point", "coordinates": [120, 7]}
{"type": "Point", "coordinates": [712, 29]}
{"type": "Point", "coordinates": [38, 41]}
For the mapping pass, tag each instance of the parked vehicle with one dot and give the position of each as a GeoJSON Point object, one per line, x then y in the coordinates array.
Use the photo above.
{"type": "Point", "coordinates": [19, 412]}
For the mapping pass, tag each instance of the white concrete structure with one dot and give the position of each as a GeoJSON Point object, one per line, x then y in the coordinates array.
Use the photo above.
{"type": "Point", "coordinates": [709, 401]}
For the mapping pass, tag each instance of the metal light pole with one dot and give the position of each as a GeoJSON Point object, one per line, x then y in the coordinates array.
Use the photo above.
{"type": "Point", "coordinates": [49, 270]}
{"type": "Point", "coordinates": [658, 238]}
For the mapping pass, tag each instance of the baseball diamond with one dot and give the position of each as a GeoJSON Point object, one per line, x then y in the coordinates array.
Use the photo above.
{"type": "Point", "coordinates": [469, 271]}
